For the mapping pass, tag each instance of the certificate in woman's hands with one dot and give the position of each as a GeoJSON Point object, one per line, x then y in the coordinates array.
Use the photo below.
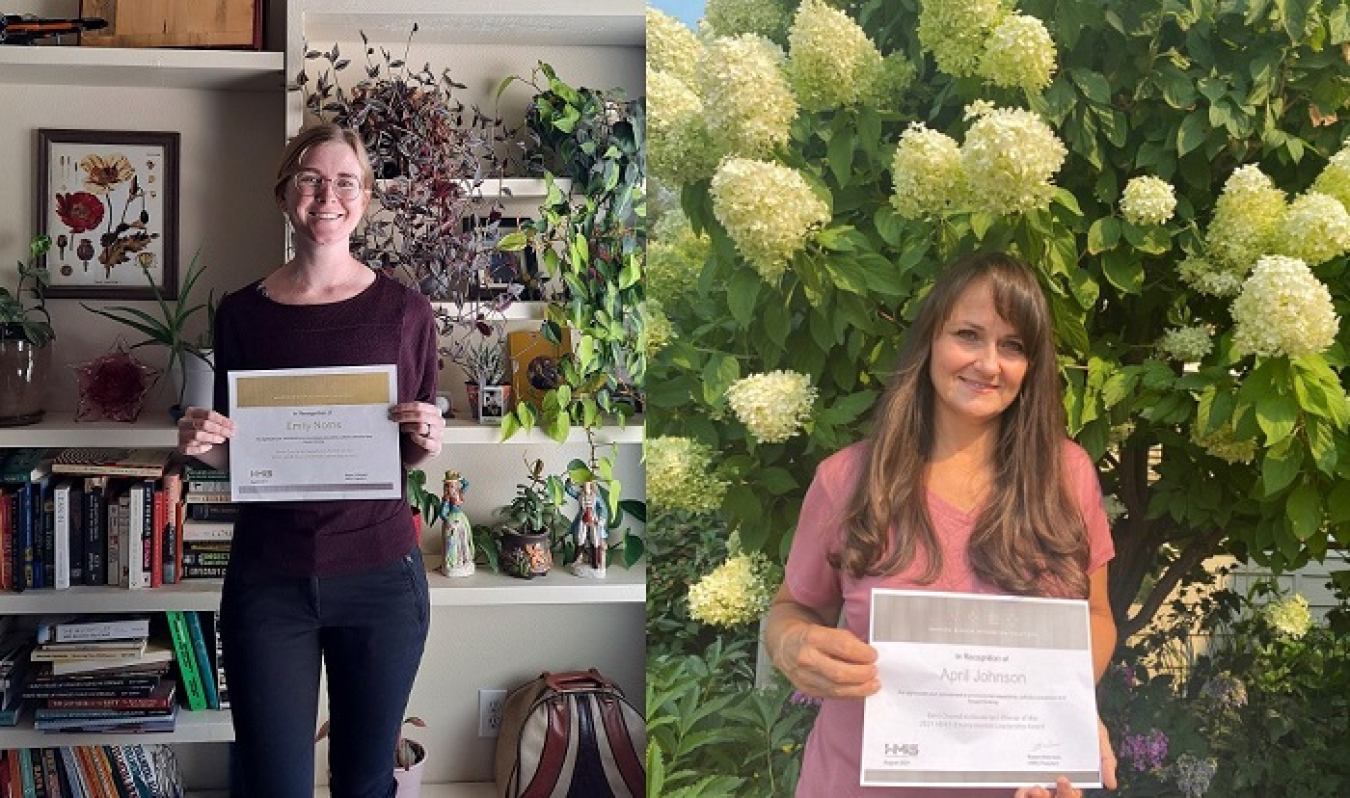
{"type": "Point", "coordinates": [314, 434]}
{"type": "Point", "coordinates": [980, 691]}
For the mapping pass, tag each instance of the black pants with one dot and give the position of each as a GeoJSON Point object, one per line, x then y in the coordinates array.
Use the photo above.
{"type": "Point", "coordinates": [368, 630]}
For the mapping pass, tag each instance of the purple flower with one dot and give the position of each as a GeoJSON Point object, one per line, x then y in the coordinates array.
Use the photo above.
{"type": "Point", "coordinates": [802, 699]}
{"type": "Point", "coordinates": [1146, 751]}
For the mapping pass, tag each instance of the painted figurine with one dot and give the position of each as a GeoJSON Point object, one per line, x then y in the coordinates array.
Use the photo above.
{"type": "Point", "coordinates": [590, 530]}
{"type": "Point", "coordinates": [456, 531]}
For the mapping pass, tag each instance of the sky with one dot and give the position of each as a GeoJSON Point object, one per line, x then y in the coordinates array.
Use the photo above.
{"type": "Point", "coordinates": [687, 11]}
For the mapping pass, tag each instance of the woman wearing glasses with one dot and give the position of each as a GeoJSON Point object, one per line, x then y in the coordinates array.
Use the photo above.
{"type": "Point", "coordinates": [332, 584]}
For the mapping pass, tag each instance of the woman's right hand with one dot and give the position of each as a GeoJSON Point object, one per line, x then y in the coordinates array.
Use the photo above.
{"type": "Point", "coordinates": [825, 662]}
{"type": "Point", "coordinates": [201, 429]}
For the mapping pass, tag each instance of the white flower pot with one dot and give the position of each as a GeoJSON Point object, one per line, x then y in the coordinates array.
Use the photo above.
{"type": "Point", "coordinates": [410, 780]}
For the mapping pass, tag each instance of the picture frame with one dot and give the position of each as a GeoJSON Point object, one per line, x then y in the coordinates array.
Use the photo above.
{"type": "Point", "coordinates": [109, 201]}
{"type": "Point", "coordinates": [492, 403]}
{"type": "Point", "coordinates": [494, 272]}
{"type": "Point", "coordinates": [534, 363]}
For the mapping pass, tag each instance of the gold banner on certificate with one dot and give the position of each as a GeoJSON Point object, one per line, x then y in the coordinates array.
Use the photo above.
{"type": "Point", "coordinates": [980, 691]}
{"type": "Point", "coordinates": [314, 434]}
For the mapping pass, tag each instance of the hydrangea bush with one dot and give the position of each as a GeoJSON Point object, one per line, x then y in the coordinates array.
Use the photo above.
{"type": "Point", "coordinates": [1177, 174]}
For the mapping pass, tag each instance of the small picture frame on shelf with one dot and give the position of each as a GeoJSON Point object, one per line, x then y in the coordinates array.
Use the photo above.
{"type": "Point", "coordinates": [492, 405]}
{"type": "Point", "coordinates": [494, 271]}
{"type": "Point", "coordinates": [109, 201]}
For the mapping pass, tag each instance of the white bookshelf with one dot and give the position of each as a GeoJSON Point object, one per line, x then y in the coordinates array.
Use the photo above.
{"type": "Point", "coordinates": [213, 70]}
{"type": "Point", "coordinates": [202, 726]}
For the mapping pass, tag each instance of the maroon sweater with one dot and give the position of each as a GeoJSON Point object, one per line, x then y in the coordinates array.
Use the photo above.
{"type": "Point", "coordinates": [386, 323]}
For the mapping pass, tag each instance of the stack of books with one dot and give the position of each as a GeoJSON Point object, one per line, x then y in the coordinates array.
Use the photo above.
{"type": "Point", "coordinates": [91, 771]}
{"type": "Point", "coordinates": [101, 673]}
{"type": "Point", "coordinates": [208, 523]}
{"type": "Point", "coordinates": [16, 648]}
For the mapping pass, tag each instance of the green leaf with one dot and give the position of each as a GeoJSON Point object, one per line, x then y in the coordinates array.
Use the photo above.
{"type": "Point", "coordinates": [719, 373]}
{"type": "Point", "coordinates": [1104, 234]}
{"type": "Point", "coordinates": [1192, 133]}
{"type": "Point", "coordinates": [1093, 84]}
{"type": "Point", "coordinates": [842, 143]}
{"type": "Point", "coordinates": [1303, 508]}
{"type": "Point", "coordinates": [1277, 415]}
{"type": "Point", "coordinates": [1338, 503]}
{"type": "Point", "coordinates": [742, 293]}
{"type": "Point", "coordinates": [1124, 271]}
{"type": "Point", "coordinates": [1280, 467]}
{"type": "Point", "coordinates": [777, 481]}
{"type": "Point", "coordinates": [847, 408]}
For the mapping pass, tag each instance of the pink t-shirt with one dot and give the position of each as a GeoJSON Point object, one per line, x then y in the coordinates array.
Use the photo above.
{"type": "Point", "coordinates": [833, 751]}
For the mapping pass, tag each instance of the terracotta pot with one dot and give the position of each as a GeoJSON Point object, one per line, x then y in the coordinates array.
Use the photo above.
{"type": "Point", "coordinates": [24, 371]}
{"type": "Point", "coordinates": [524, 556]}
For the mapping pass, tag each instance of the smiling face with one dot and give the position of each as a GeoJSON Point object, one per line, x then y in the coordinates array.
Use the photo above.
{"type": "Point", "coordinates": [324, 218]}
{"type": "Point", "coordinates": [977, 362]}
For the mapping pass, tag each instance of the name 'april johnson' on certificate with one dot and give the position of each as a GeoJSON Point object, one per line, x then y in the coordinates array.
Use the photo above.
{"type": "Point", "coordinates": [314, 434]}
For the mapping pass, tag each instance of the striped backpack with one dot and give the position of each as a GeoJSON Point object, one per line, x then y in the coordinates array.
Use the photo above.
{"type": "Point", "coordinates": [570, 735]}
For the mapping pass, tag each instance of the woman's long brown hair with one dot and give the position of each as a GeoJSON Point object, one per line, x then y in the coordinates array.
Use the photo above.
{"type": "Point", "coordinates": [1030, 538]}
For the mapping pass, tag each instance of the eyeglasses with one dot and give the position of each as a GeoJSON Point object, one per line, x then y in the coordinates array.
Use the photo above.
{"type": "Point", "coordinates": [310, 184]}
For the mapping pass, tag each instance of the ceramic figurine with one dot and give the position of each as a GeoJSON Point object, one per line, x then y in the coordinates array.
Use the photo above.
{"type": "Point", "coordinates": [456, 531]}
{"type": "Point", "coordinates": [589, 530]}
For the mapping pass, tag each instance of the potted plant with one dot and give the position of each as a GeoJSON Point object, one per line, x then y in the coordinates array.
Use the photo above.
{"type": "Point", "coordinates": [591, 239]}
{"type": "Point", "coordinates": [426, 506]}
{"type": "Point", "coordinates": [26, 333]}
{"type": "Point", "coordinates": [409, 757]}
{"type": "Point", "coordinates": [531, 525]}
{"type": "Point", "coordinates": [189, 356]}
{"type": "Point", "coordinates": [484, 363]}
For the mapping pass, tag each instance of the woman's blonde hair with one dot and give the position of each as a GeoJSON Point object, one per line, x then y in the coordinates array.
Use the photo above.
{"type": "Point", "coordinates": [322, 133]}
{"type": "Point", "coordinates": [1030, 535]}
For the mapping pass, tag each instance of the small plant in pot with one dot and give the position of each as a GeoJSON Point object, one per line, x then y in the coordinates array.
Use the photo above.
{"type": "Point", "coordinates": [408, 756]}
{"type": "Point", "coordinates": [483, 363]}
{"type": "Point", "coordinates": [25, 334]}
{"type": "Point", "coordinates": [532, 522]}
{"type": "Point", "coordinates": [170, 330]}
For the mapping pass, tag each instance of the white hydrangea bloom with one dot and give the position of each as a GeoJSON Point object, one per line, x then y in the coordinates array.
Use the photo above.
{"type": "Point", "coordinates": [955, 31]}
{"type": "Point", "coordinates": [1223, 444]}
{"type": "Point", "coordinates": [675, 258]}
{"type": "Point", "coordinates": [679, 146]}
{"type": "Point", "coordinates": [1186, 344]}
{"type": "Point", "coordinates": [926, 172]}
{"type": "Point", "coordinates": [1335, 177]}
{"type": "Point", "coordinates": [672, 47]}
{"type": "Point", "coordinates": [768, 210]}
{"type": "Point", "coordinates": [1019, 53]}
{"type": "Point", "coordinates": [1148, 200]}
{"type": "Point", "coordinates": [746, 96]}
{"type": "Point", "coordinates": [773, 406]}
{"type": "Point", "coordinates": [1315, 229]}
{"type": "Point", "coordinates": [1203, 276]}
{"type": "Point", "coordinates": [1008, 159]}
{"type": "Point", "coordinates": [680, 475]}
{"type": "Point", "coordinates": [736, 592]}
{"type": "Point", "coordinates": [657, 329]}
{"type": "Point", "coordinates": [1283, 311]}
{"type": "Point", "coordinates": [885, 86]}
{"type": "Point", "coordinates": [1289, 617]}
{"type": "Point", "coordinates": [733, 17]}
{"type": "Point", "coordinates": [831, 60]}
{"type": "Point", "coordinates": [1245, 217]}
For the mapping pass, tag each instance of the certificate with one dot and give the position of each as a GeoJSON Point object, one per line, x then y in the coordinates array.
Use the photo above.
{"type": "Point", "coordinates": [980, 691]}
{"type": "Point", "coordinates": [314, 434]}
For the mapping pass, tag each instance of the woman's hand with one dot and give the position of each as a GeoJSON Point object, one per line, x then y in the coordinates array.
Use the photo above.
{"type": "Point", "coordinates": [200, 430]}
{"type": "Point", "coordinates": [825, 662]}
{"type": "Point", "coordinates": [422, 423]}
{"type": "Point", "coordinates": [1063, 789]}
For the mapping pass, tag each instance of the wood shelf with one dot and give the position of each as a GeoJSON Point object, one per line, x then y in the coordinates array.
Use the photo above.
{"type": "Point", "coordinates": [215, 70]}
{"type": "Point", "coordinates": [614, 23]}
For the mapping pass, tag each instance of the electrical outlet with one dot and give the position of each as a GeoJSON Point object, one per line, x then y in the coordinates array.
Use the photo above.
{"type": "Point", "coordinates": [490, 712]}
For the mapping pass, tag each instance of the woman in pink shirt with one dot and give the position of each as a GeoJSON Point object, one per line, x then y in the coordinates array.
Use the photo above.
{"type": "Point", "coordinates": [967, 484]}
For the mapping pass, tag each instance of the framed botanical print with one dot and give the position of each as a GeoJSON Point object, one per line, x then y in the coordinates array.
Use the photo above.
{"type": "Point", "coordinates": [109, 201]}
{"type": "Point", "coordinates": [494, 271]}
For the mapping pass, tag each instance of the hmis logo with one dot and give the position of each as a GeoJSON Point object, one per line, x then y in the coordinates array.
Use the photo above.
{"type": "Point", "coordinates": [901, 749]}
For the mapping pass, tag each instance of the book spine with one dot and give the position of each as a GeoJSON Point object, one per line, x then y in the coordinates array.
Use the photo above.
{"type": "Point", "coordinates": [207, 531]}
{"type": "Point", "coordinates": [47, 535]}
{"type": "Point", "coordinates": [154, 535]}
{"type": "Point", "coordinates": [126, 785]}
{"type": "Point", "coordinates": [52, 773]}
{"type": "Point", "coordinates": [6, 540]}
{"type": "Point", "coordinates": [226, 511]}
{"type": "Point", "coordinates": [209, 485]}
{"type": "Point", "coordinates": [143, 702]}
{"type": "Point", "coordinates": [173, 525]}
{"type": "Point", "coordinates": [13, 757]}
{"type": "Point", "coordinates": [95, 631]}
{"type": "Point", "coordinates": [79, 788]}
{"type": "Point", "coordinates": [103, 772]}
{"type": "Point", "coordinates": [203, 571]}
{"type": "Point", "coordinates": [95, 533]}
{"type": "Point", "coordinates": [202, 657]}
{"type": "Point", "coordinates": [218, 661]}
{"type": "Point", "coordinates": [187, 664]}
{"type": "Point", "coordinates": [39, 776]}
{"type": "Point", "coordinates": [26, 773]}
{"type": "Point", "coordinates": [24, 525]}
{"type": "Point", "coordinates": [61, 536]}
{"type": "Point", "coordinates": [136, 538]}
{"type": "Point", "coordinates": [143, 769]}
{"type": "Point", "coordinates": [75, 541]}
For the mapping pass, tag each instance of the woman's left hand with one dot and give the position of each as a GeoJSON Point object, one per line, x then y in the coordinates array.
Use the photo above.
{"type": "Point", "coordinates": [1064, 789]}
{"type": "Point", "coordinates": [421, 422]}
